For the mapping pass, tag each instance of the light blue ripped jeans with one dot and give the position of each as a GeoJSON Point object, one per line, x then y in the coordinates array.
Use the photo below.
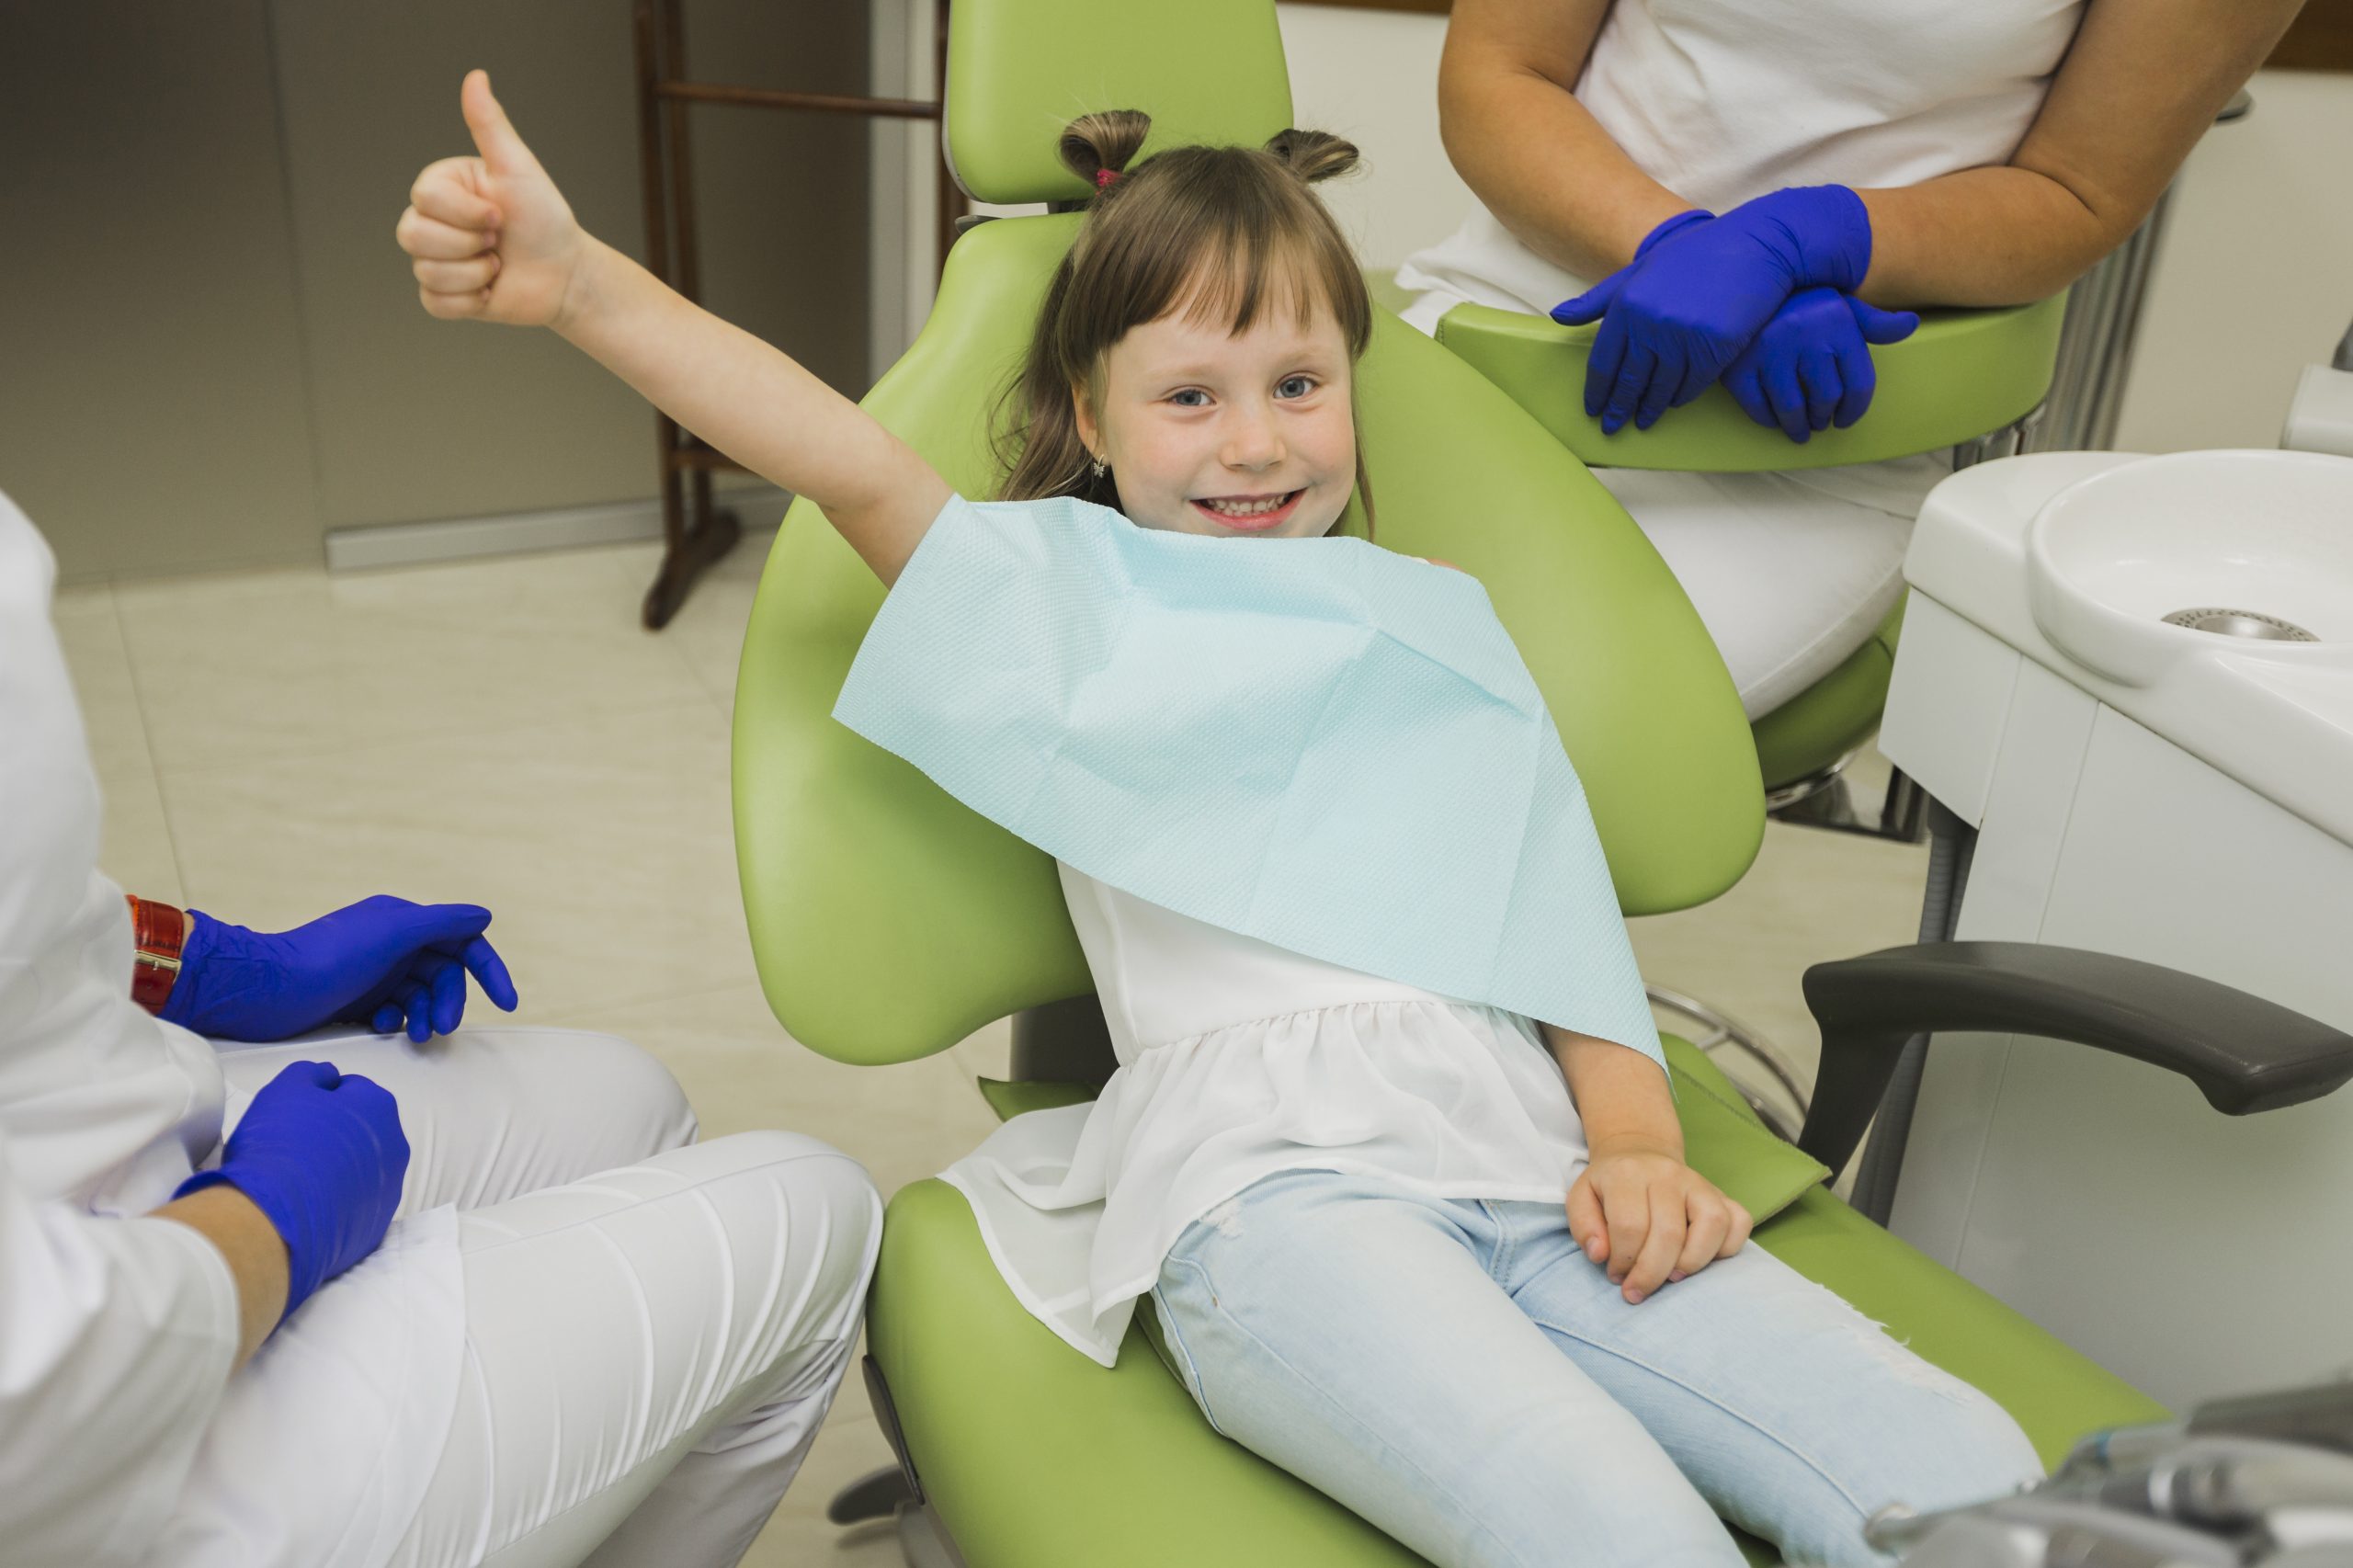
{"type": "Point", "coordinates": [1459, 1374]}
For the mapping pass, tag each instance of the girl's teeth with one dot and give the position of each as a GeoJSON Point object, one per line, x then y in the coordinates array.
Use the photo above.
{"type": "Point", "coordinates": [1247, 508]}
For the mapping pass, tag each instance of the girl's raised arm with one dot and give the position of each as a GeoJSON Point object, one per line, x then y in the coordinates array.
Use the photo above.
{"type": "Point", "coordinates": [494, 240]}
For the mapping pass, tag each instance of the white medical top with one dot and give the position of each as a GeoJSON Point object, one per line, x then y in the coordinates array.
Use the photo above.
{"type": "Point", "coordinates": [116, 1332]}
{"type": "Point", "coordinates": [1722, 100]}
{"type": "Point", "coordinates": [1238, 1060]}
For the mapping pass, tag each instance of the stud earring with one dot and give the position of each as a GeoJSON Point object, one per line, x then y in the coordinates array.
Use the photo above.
{"type": "Point", "coordinates": [1098, 468]}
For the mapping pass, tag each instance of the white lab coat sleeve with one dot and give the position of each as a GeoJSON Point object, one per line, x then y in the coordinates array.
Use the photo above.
{"type": "Point", "coordinates": [117, 1339]}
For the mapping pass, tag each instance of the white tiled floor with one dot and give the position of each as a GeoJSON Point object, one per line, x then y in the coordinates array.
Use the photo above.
{"type": "Point", "coordinates": [273, 744]}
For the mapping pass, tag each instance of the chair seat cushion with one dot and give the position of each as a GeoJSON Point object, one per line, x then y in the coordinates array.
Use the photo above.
{"type": "Point", "coordinates": [1830, 720]}
{"type": "Point", "coordinates": [1037, 1457]}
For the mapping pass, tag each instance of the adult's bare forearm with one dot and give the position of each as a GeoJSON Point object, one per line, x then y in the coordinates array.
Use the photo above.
{"type": "Point", "coordinates": [244, 1237]}
{"type": "Point", "coordinates": [2141, 84]}
{"type": "Point", "coordinates": [1545, 168]}
{"type": "Point", "coordinates": [1983, 237]}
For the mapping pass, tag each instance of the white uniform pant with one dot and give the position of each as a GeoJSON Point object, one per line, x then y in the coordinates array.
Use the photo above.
{"type": "Point", "coordinates": [1789, 580]}
{"type": "Point", "coordinates": [654, 1327]}
{"type": "Point", "coordinates": [1789, 571]}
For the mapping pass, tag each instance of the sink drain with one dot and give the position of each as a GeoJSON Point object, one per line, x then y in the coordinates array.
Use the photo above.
{"type": "Point", "coordinates": [2241, 623]}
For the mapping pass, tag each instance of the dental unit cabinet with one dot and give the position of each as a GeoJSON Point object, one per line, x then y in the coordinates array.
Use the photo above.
{"type": "Point", "coordinates": [2133, 676]}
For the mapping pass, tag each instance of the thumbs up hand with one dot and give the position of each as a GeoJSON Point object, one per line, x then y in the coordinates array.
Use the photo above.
{"type": "Point", "coordinates": [491, 237]}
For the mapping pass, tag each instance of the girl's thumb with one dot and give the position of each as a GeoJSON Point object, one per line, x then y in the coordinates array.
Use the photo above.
{"type": "Point", "coordinates": [494, 136]}
{"type": "Point", "coordinates": [1591, 305]}
{"type": "Point", "coordinates": [1883, 327]}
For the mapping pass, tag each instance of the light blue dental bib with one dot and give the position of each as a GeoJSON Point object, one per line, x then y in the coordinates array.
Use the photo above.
{"type": "Point", "coordinates": [1313, 742]}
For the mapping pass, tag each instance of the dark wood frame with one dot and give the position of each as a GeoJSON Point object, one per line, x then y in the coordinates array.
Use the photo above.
{"type": "Point", "coordinates": [694, 533]}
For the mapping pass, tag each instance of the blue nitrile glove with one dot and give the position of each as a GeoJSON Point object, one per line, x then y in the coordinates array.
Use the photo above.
{"type": "Point", "coordinates": [375, 963]}
{"type": "Point", "coordinates": [321, 1156]}
{"type": "Point", "coordinates": [1679, 313]}
{"type": "Point", "coordinates": [1811, 368]}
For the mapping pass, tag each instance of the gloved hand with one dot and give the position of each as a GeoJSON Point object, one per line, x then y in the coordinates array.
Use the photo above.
{"type": "Point", "coordinates": [375, 963]}
{"type": "Point", "coordinates": [323, 1156]}
{"type": "Point", "coordinates": [1811, 368]}
{"type": "Point", "coordinates": [1676, 315]}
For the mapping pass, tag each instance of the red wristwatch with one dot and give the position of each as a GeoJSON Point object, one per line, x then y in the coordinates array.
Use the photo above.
{"type": "Point", "coordinates": [156, 967]}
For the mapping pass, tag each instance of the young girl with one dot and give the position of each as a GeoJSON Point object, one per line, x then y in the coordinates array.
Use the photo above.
{"type": "Point", "coordinates": [1443, 1262]}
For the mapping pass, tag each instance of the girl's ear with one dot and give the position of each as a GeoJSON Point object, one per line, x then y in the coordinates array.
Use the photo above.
{"type": "Point", "coordinates": [1082, 410]}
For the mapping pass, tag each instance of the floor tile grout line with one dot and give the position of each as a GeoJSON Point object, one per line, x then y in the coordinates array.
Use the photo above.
{"type": "Point", "coordinates": [147, 739]}
{"type": "Point", "coordinates": [345, 752]}
{"type": "Point", "coordinates": [572, 1021]}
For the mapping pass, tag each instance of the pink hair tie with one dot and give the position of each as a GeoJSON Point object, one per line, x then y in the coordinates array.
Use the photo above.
{"type": "Point", "coordinates": [1103, 178]}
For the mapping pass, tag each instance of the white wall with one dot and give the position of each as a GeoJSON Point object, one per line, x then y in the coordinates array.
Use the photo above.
{"type": "Point", "coordinates": [1371, 76]}
{"type": "Point", "coordinates": [2254, 279]}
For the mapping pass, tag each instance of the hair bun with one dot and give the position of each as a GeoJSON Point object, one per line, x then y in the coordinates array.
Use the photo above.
{"type": "Point", "coordinates": [1313, 156]}
{"type": "Point", "coordinates": [1107, 139]}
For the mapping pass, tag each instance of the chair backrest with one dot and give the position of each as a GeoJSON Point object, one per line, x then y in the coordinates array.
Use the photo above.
{"type": "Point", "coordinates": [888, 921]}
{"type": "Point", "coordinates": [1963, 374]}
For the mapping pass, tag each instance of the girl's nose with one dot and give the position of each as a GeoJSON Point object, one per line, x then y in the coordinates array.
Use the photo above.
{"type": "Point", "coordinates": [1254, 443]}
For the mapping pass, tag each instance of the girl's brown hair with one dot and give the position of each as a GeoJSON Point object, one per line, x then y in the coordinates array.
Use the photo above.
{"type": "Point", "coordinates": [1224, 231]}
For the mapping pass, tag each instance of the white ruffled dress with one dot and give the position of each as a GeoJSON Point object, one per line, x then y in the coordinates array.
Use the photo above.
{"type": "Point", "coordinates": [1238, 1060]}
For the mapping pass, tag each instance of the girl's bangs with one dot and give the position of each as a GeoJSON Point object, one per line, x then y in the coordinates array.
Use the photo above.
{"type": "Point", "coordinates": [1231, 284]}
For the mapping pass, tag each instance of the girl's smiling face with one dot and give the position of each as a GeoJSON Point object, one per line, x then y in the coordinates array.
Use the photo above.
{"type": "Point", "coordinates": [1211, 431]}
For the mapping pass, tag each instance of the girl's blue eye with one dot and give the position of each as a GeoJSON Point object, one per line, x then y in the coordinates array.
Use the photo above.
{"type": "Point", "coordinates": [1304, 383]}
{"type": "Point", "coordinates": [1179, 398]}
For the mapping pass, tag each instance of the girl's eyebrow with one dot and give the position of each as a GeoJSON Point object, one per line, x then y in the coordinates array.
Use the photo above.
{"type": "Point", "coordinates": [1308, 354]}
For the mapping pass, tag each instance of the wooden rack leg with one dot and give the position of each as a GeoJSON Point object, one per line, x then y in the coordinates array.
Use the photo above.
{"type": "Point", "coordinates": [693, 534]}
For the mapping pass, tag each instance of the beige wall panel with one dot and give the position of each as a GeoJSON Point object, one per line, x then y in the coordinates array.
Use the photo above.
{"type": "Point", "coordinates": [151, 399]}
{"type": "Point", "coordinates": [422, 419]}
{"type": "Point", "coordinates": [2254, 280]}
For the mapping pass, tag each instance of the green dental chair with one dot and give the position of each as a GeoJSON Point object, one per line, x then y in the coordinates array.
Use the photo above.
{"type": "Point", "coordinates": [890, 922]}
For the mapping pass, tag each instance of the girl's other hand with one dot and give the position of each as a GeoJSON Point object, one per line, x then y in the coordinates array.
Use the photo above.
{"type": "Point", "coordinates": [1650, 1218]}
{"type": "Point", "coordinates": [492, 237]}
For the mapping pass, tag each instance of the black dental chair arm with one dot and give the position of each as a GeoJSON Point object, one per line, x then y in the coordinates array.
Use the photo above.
{"type": "Point", "coordinates": [2245, 1054]}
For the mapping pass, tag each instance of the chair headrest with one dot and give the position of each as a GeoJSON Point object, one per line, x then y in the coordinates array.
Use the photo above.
{"type": "Point", "coordinates": [1020, 71]}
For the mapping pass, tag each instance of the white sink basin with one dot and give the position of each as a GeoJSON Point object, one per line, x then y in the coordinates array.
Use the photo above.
{"type": "Point", "coordinates": [2256, 544]}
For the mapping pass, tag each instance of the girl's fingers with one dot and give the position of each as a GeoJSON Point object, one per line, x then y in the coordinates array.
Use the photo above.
{"type": "Point", "coordinates": [453, 307]}
{"type": "Point", "coordinates": [1585, 1222]}
{"type": "Point", "coordinates": [1659, 1248]}
{"type": "Point", "coordinates": [1703, 1242]}
{"type": "Point", "coordinates": [430, 239]}
{"type": "Point", "coordinates": [1628, 1215]}
{"type": "Point", "coordinates": [1736, 1236]}
{"type": "Point", "coordinates": [450, 191]}
{"type": "Point", "coordinates": [456, 276]}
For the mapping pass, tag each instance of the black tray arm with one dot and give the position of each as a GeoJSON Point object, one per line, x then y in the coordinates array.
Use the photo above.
{"type": "Point", "coordinates": [2245, 1054]}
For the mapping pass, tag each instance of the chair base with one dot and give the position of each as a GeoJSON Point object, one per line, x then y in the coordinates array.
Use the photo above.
{"type": "Point", "coordinates": [877, 1494]}
{"type": "Point", "coordinates": [1825, 799]}
{"type": "Point", "coordinates": [924, 1540]}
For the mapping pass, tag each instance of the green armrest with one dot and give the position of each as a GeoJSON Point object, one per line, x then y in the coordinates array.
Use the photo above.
{"type": "Point", "coordinates": [1963, 374]}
